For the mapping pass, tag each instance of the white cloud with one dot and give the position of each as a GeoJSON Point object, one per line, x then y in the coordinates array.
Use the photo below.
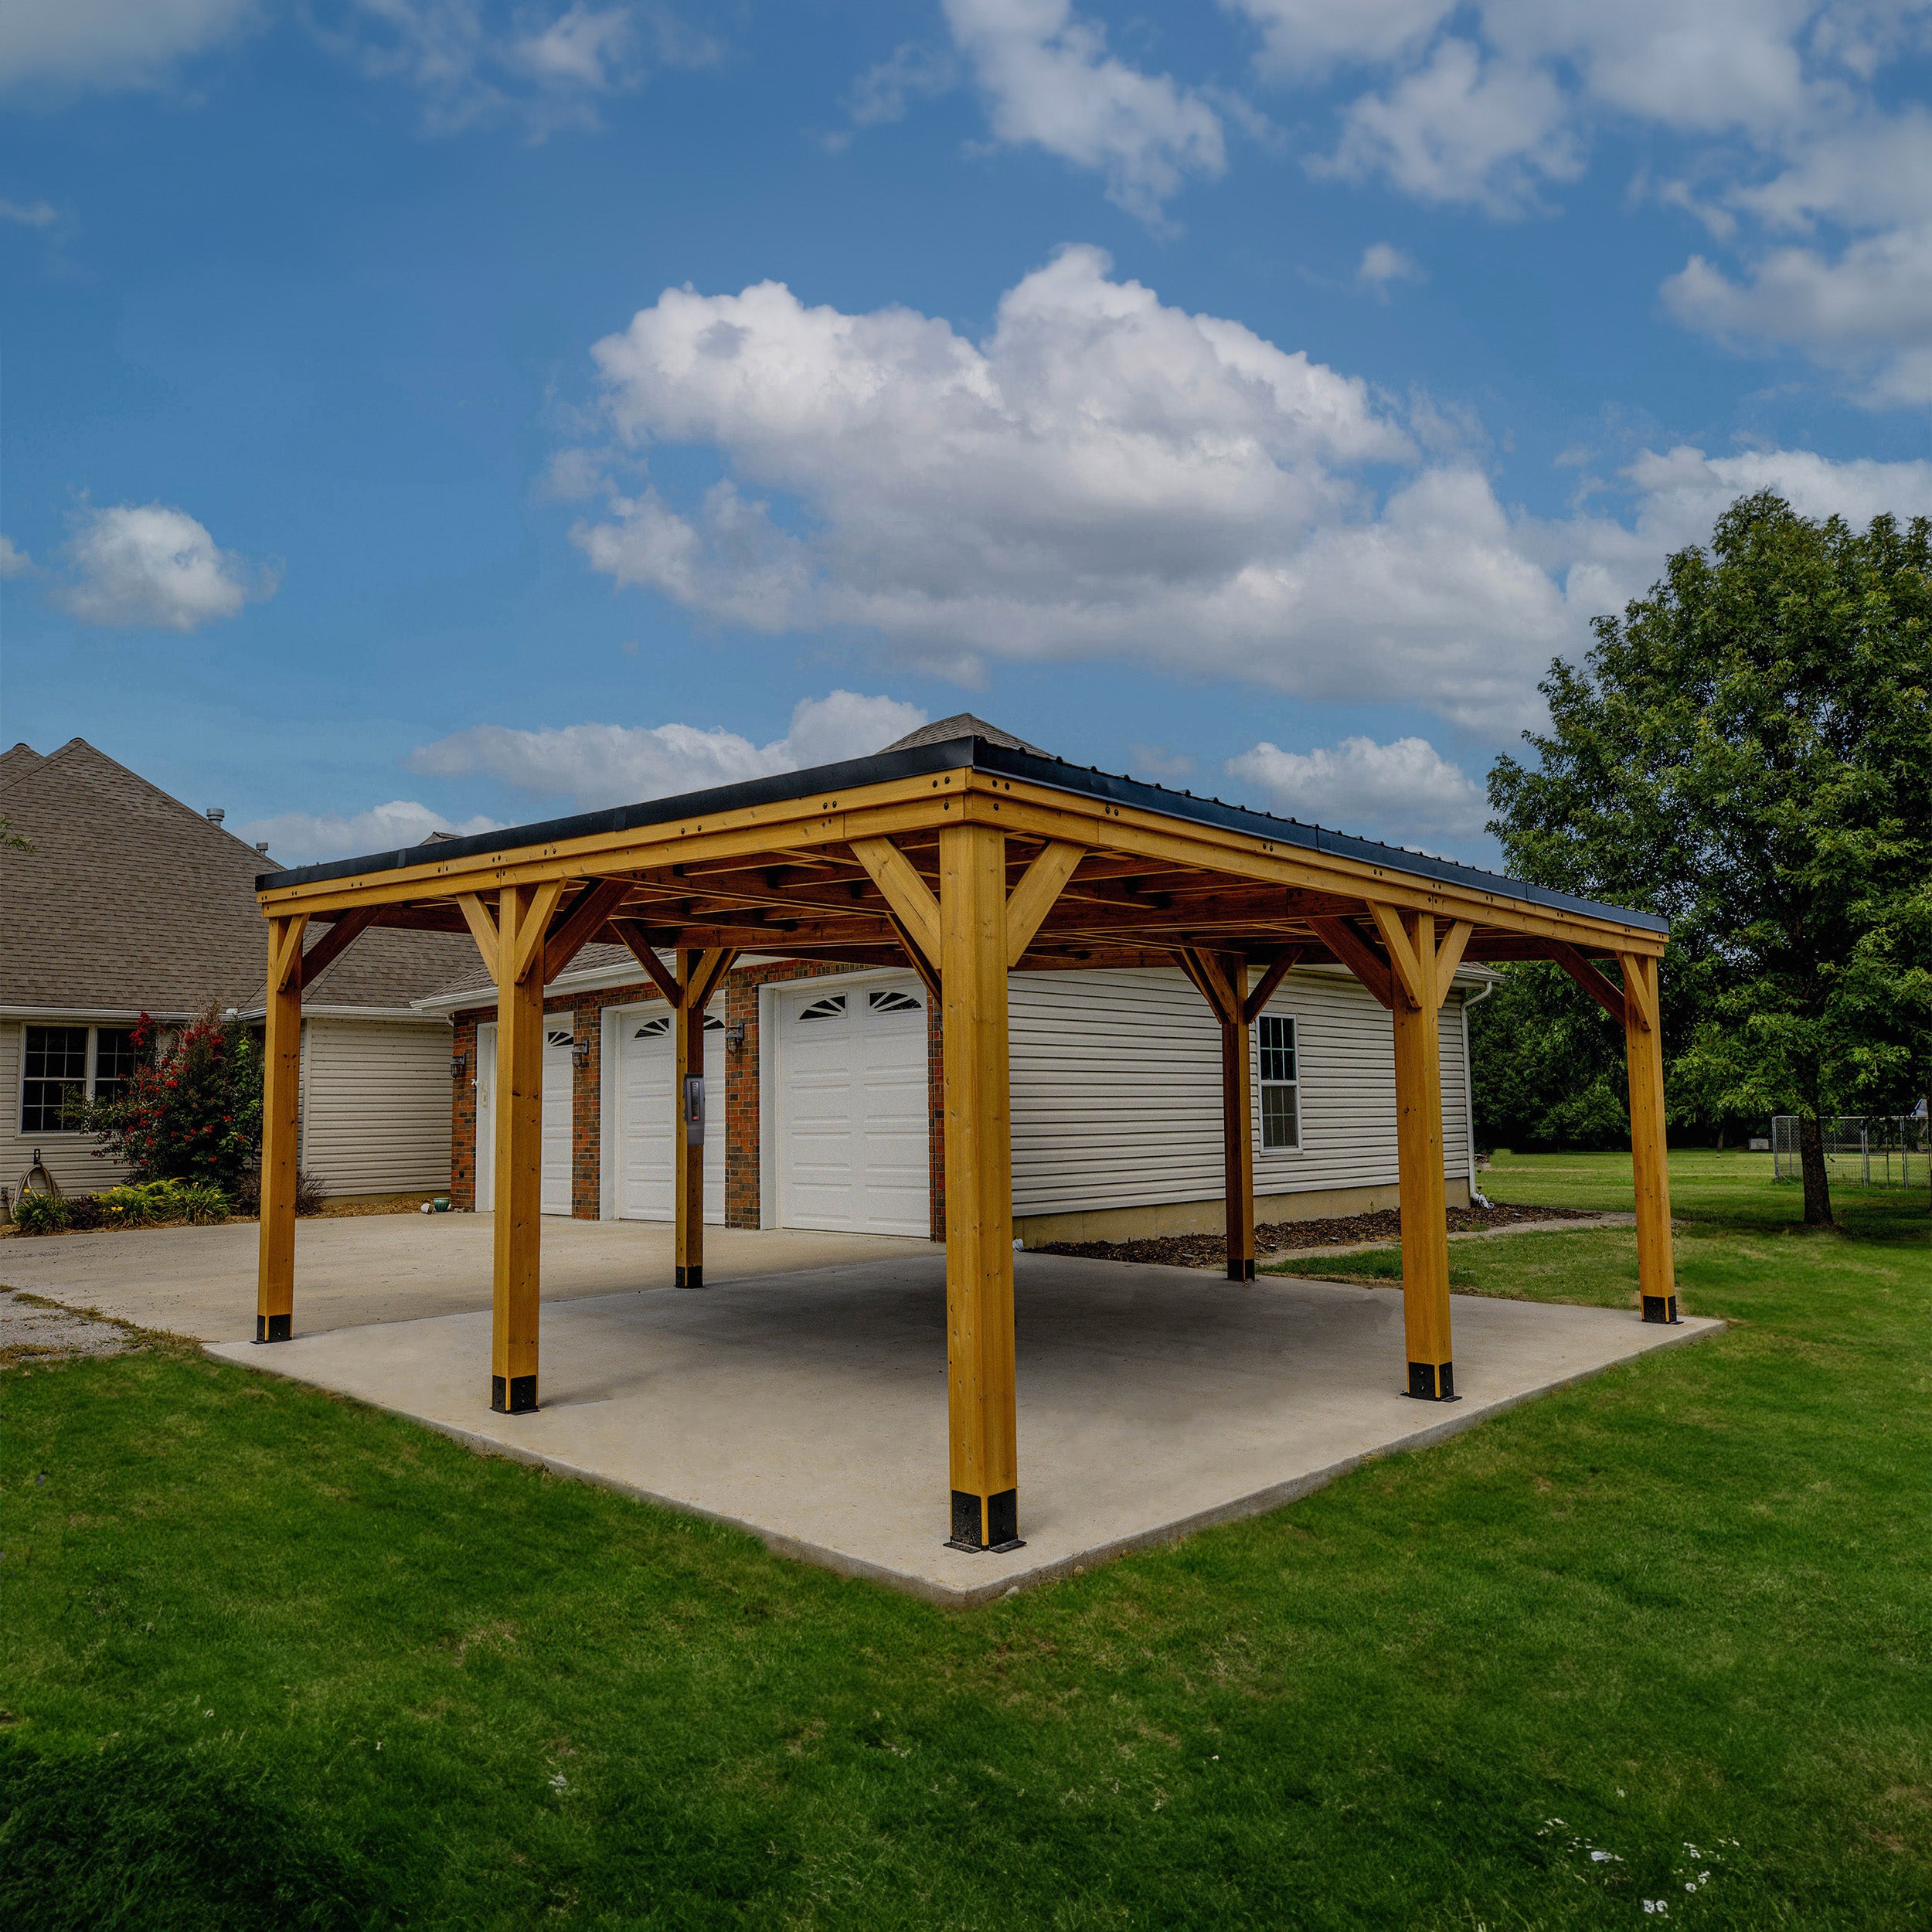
{"type": "Point", "coordinates": [1405, 789]}
{"type": "Point", "coordinates": [30, 214]}
{"type": "Point", "coordinates": [535, 63]}
{"type": "Point", "coordinates": [1049, 82]}
{"type": "Point", "coordinates": [1866, 310]}
{"type": "Point", "coordinates": [14, 561]}
{"type": "Point", "coordinates": [302, 838]}
{"type": "Point", "coordinates": [1103, 477]}
{"type": "Point", "coordinates": [1106, 477]}
{"type": "Point", "coordinates": [110, 44]}
{"type": "Point", "coordinates": [1463, 129]}
{"type": "Point", "coordinates": [1307, 39]}
{"type": "Point", "coordinates": [884, 92]}
{"type": "Point", "coordinates": [1383, 263]}
{"type": "Point", "coordinates": [145, 563]}
{"type": "Point", "coordinates": [606, 764]}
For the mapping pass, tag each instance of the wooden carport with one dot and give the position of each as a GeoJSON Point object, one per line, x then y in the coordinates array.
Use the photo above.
{"type": "Point", "coordinates": [968, 860]}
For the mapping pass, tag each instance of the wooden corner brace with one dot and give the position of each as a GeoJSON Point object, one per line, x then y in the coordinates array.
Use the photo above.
{"type": "Point", "coordinates": [1599, 988]}
{"type": "Point", "coordinates": [915, 911]}
{"type": "Point", "coordinates": [285, 953]}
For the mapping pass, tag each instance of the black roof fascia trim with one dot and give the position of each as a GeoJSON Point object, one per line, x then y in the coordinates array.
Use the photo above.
{"type": "Point", "coordinates": [959, 754]}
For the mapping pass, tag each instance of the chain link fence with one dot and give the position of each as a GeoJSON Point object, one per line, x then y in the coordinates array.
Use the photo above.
{"type": "Point", "coordinates": [1867, 1150]}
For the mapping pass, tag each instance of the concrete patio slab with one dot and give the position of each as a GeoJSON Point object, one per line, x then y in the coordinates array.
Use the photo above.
{"type": "Point", "coordinates": [384, 1267]}
{"type": "Point", "coordinates": [810, 1407]}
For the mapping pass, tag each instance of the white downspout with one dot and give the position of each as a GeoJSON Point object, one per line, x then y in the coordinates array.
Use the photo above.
{"type": "Point", "coordinates": [1477, 1197]}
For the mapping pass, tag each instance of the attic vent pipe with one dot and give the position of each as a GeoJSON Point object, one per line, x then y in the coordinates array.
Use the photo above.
{"type": "Point", "coordinates": [261, 845]}
{"type": "Point", "coordinates": [215, 814]}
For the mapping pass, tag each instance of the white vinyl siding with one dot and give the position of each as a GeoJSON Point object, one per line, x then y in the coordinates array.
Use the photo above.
{"type": "Point", "coordinates": [1117, 1091]}
{"type": "Point", "coordinates": [375, 1105]}
{"type": "Point", "coordinates": [69, 1157]}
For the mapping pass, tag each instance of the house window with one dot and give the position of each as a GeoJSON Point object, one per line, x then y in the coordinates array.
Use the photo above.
{"type": "Point", "coordinates": [114, 1061]}
{"type": "Point", "coordinates": [55, 1077]}
{"type": "Point", "coordinates": [894, 1002]}
{"type": "Point", "coordinates": [829, 1008]}
{"type": "Point", "coordinates": [1280, 1084]}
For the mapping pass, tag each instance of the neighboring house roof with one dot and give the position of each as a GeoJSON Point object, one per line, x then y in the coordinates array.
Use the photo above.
{"type": "Point", "coordinates": [130, 900]}
{"type": "Point", "coordinates": [21, 758]}
{"type": "Point", "coordinates": [961, 724]}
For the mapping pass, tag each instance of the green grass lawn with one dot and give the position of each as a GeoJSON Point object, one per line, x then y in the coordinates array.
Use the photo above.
{"type": "Point", "coordinates": [269, 1659]}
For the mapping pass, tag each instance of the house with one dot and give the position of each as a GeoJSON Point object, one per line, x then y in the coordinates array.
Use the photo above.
{"type": "Point", "coordinates": [130, 902]}
{"type": "Point", "coordinates": [827, 1079]}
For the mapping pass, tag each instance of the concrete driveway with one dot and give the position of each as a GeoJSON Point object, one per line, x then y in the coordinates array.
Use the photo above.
{"type": "Point", "coordinates": [356, 1269]}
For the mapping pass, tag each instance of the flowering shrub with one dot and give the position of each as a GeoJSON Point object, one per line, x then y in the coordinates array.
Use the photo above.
{"type": "Point", "coordinates": [191, 1111]}
{"type": "Point", "coordinates": [138, 1204]}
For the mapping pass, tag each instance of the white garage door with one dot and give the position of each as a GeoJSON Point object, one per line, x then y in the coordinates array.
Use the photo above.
{"type": "Point", "coordinates": [559, 1076]}
{"type": "Point", "coordinates": [852, 1140]}
{"type": "Point", "coordinates": [647, 1117]}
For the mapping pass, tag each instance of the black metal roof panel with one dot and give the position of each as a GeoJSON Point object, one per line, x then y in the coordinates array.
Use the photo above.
{"type": "Point", "coordinates": [959, 754]}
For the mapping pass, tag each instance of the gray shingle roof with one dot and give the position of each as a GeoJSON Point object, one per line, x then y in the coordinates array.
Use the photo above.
{"type": "Point", "coordinates": [961, 724]}
{"type": "Point", "coordinates": [130, 900]}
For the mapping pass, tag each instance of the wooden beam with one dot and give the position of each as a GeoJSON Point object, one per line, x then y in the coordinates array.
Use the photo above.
{"type": "Point", "coordinates": [1207, 984]}
{"type": "Point", "coordinates": [285, 953]}
{"type": "Point", "coordinates": [481, 922]}
{"type": "Point", "coordinates": [1279, 968]}
{"type": "Point", "coordinates": [1419, 1154]}
{"type": "Point", "coordinates": [523, 912]}
{"type": "Point", "coordinates": [1031, 900]}
{"type": "Point", "coordinates": [703, 982]}
{"type": "Point", "coordinates": [909, 896]}
{"type": "Point", "coordinates": [334, 943]}
{"type": "Point", "coordinates": [1649, 1150]}
{"type": "Point", "coordinates": [1413, 976]}
{"type": "Point", "coordinates": [1640, 991]}
{"type": "Point", "coordinates": [281, 1121]}
{"type": "Point", "coordinates": [1237, 1120]}
{"type": "Point", "coordinates": [1593, 982]}
{"type": "Point", "coordinates": [982, 1418]}
{"type": "Point", "coordinates": [1348, 945]}
{"type": "Point", "coordinates": [574, 929]}
{"type": "Point", "coordinates": [646, 955]}
{"type": "Point", "coordinates": [531, 934]}
{"type": "Point", "coordinates": [1449, 957]}
{"type": "Point", "coordinates": [689, 1125]}
{"type": "Point", "coordinates": [928, 973]}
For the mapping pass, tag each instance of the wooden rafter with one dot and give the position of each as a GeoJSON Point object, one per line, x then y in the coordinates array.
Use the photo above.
{"type": "Point", "coordinates": [1593, 982]}
{"type": "Point", "coordinates": [1032, 899]}
{"type": "Point", "coordinates": [334, 943]}
{"type": "Point", "coordinates": [1278, 969]}
{"type": "Point", "coordinates": [913, 902]}
{"type": "Point", "coordinates": [660, 975]}
{"type": "Point", "coordinates": [1355, 952]}
{"type": "Point", "coordinates": [587, 915]}
{"type": "Point", "coordinates": [482, 924]}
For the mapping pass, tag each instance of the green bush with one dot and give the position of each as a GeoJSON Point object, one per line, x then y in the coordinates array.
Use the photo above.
{"type": "Point", "coordinates": [138, 1204]}
{"type": "Point", "coordinates": [40, 1213]}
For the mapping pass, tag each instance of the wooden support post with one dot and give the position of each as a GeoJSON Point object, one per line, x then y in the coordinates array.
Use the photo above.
{"type": "Point", "coordinates": [688, 1193]}
{"type": "Point", "coordinates": [1237, 1123]}
{"type": "Point", "coordinates": [1649, 1169]}
{"type": "Point", "coordinates": [699, 975]}
{"type": "Point", "coordinates": [523, 912]}
{"type": "Point", "coordinates": [281, 1119]}
{"type": "Point", "coordinates": [1418, 986]}
{"type": "Point", "coordinates": [981, 1429]}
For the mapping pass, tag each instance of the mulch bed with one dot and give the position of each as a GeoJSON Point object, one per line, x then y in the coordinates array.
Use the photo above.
{"type": "Point", "coordinates": [1274, 1237]}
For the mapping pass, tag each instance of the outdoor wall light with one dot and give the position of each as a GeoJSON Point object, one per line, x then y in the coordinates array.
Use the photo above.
{"type": "Point", "coordinates": [457, 1065]}
{"type": "Point", "coordinates": [735, 1038]}
{"type": "Point", "coordinates": [581, 1053]}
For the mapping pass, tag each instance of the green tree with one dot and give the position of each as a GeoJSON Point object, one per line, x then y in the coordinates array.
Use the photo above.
{"type": "Point", "coordinates": [1748, 751]}
{"type": "Point", "coordinates": [10, 840]}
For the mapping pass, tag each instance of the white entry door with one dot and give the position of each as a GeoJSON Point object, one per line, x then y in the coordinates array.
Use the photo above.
{"type": "Point", "coordinates": [558, 1083]}
{"type": "Point", "coordinates": [647, 1122]}
{"type": "Point", "coordinates": [852, 1142]}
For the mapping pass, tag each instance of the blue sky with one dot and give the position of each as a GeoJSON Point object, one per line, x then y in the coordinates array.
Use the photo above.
{"type": "Point", "coordinates": [420, 412]}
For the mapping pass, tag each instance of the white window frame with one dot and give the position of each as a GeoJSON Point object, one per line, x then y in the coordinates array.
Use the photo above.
{"type": "Point", "coordinates": [1263, 1085]}
{"type": "Point", "coordinates": [88, 1078]}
